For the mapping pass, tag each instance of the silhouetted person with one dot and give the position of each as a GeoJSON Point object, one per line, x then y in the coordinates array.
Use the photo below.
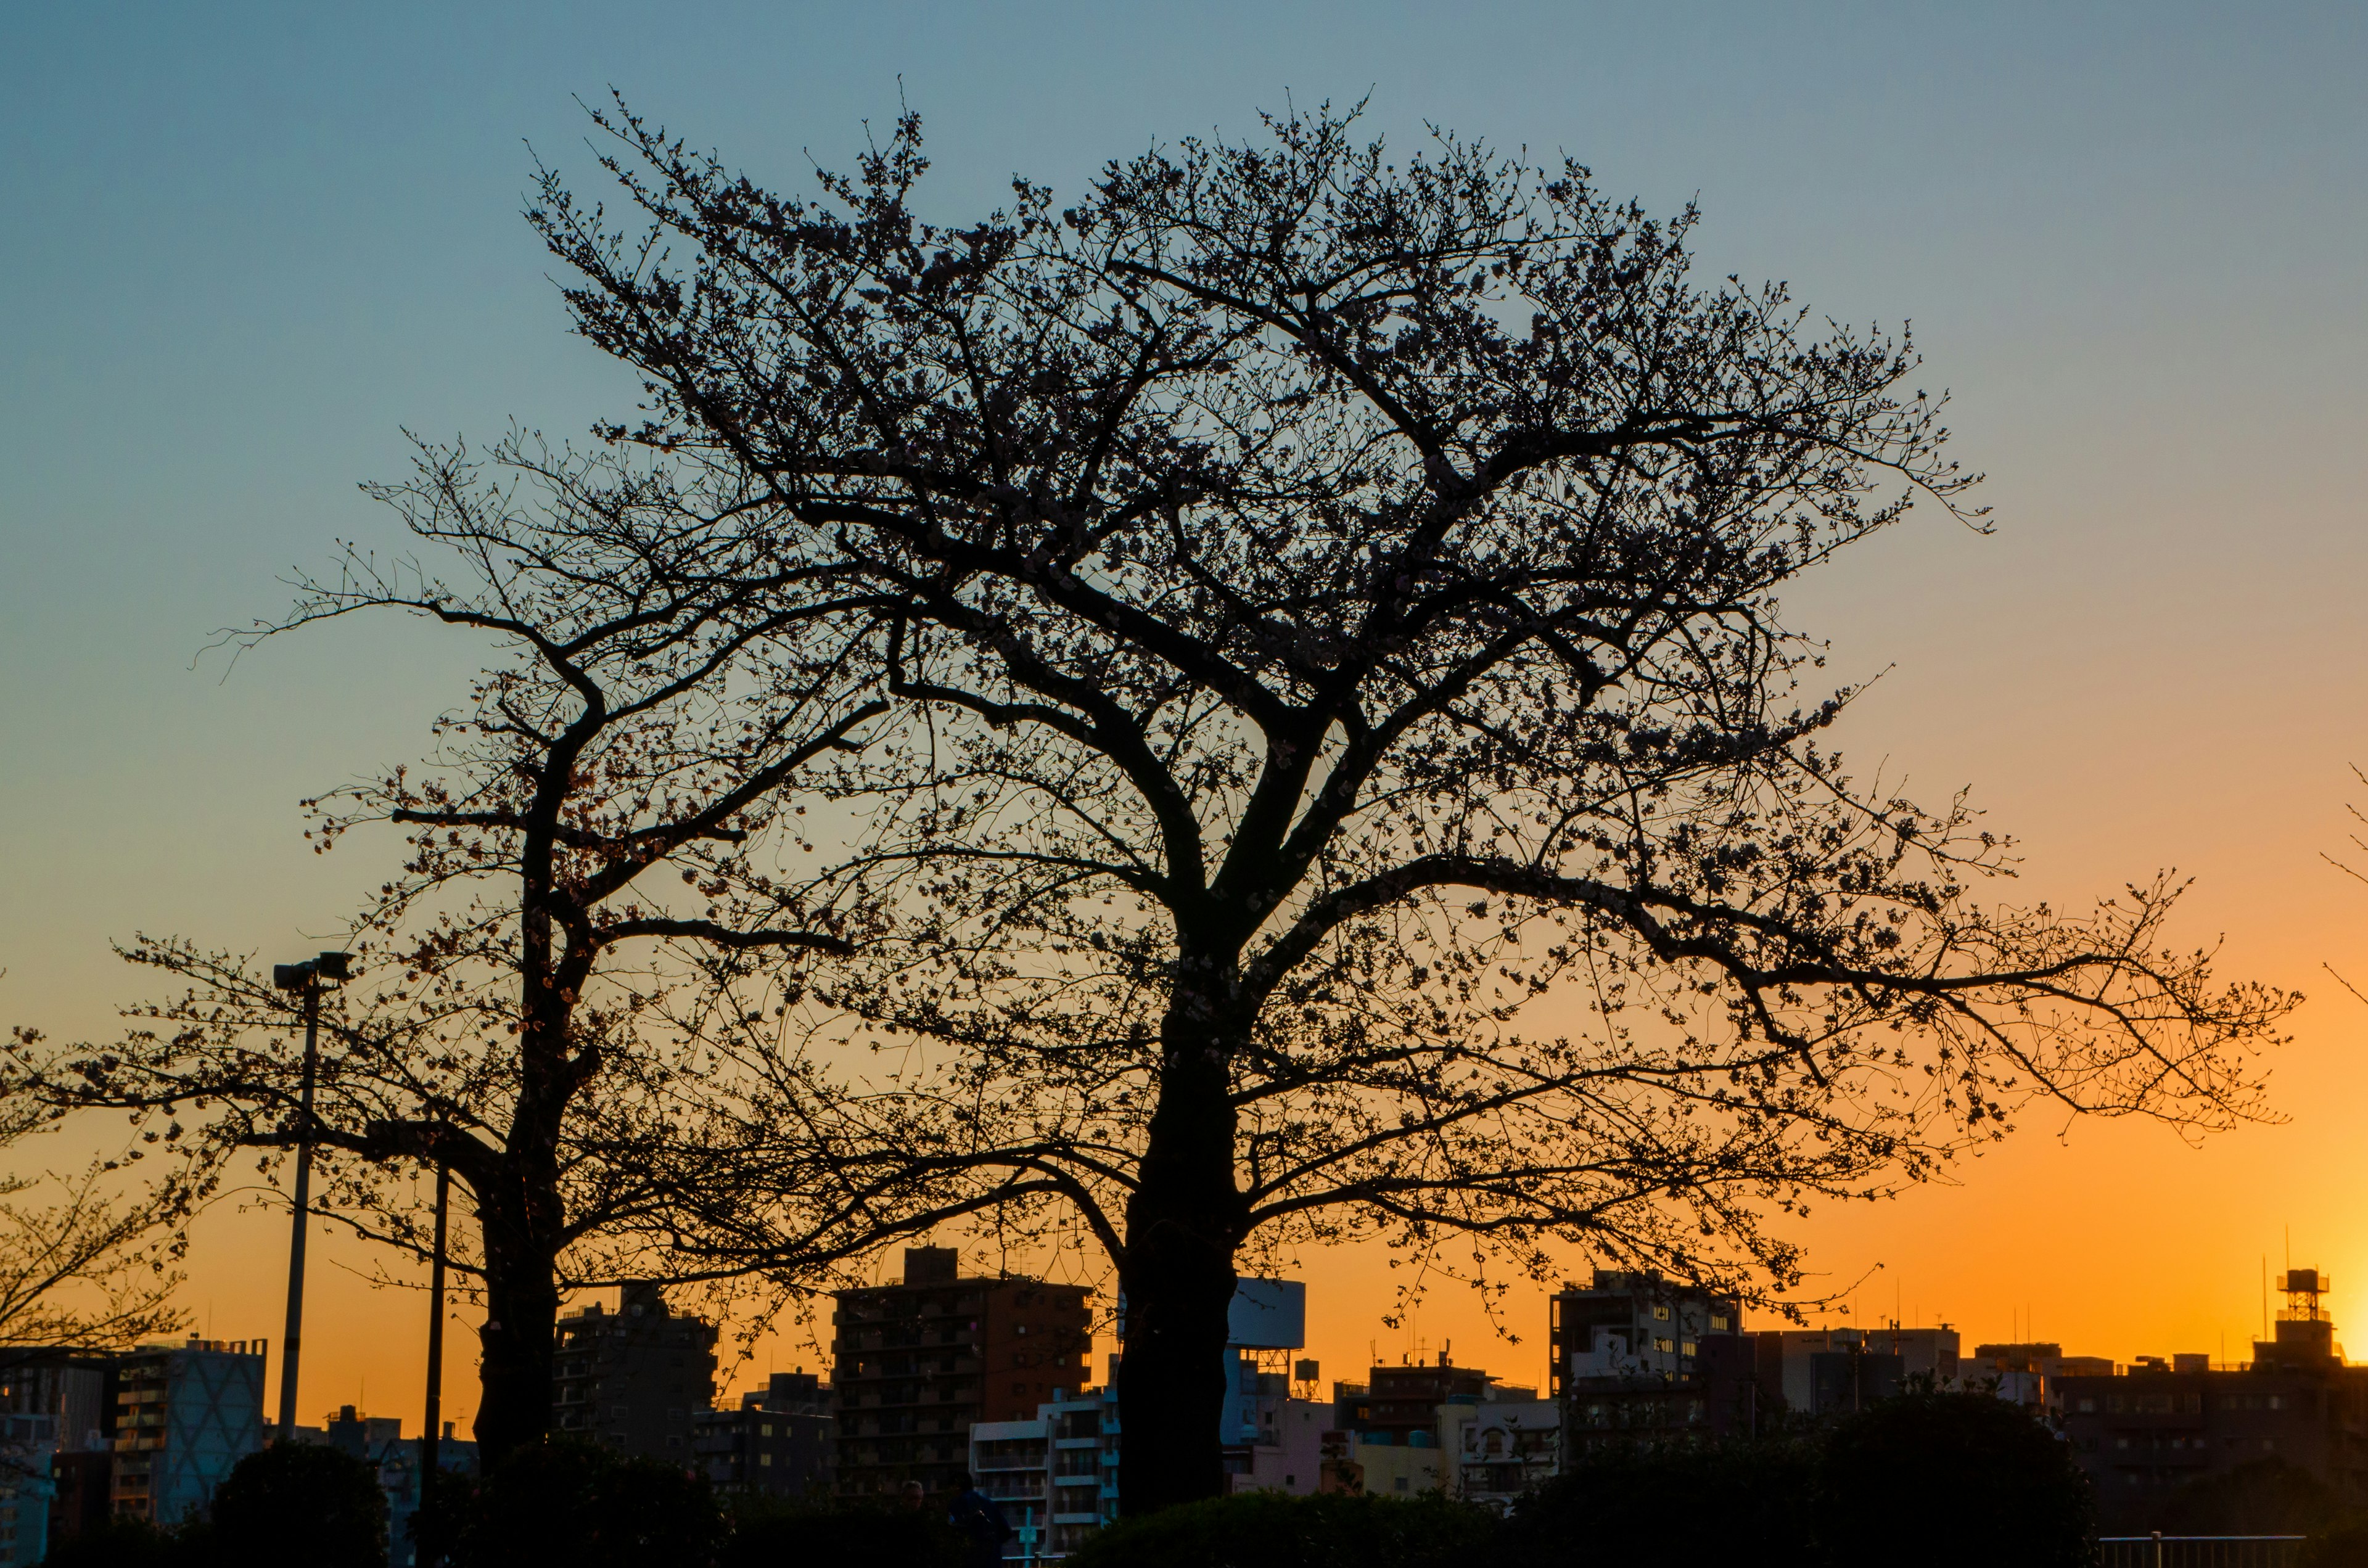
{"type": "Point", "coordinates": [978, 1520]}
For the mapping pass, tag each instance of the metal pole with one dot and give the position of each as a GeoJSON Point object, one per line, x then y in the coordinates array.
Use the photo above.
{"type": "Point", "coordinates": [290, 1341]}
{"type": "Point", "coordinates": [430, 1440]}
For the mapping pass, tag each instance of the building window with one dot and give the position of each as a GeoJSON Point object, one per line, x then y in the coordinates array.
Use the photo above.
{"type": "Point", "coordinates": [765, 1458]}
{"type": "Point", "coordinates": [1660, 1314]}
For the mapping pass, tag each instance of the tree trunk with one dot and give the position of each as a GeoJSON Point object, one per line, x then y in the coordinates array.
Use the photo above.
{"type": "Point", "coordinates": [1182, 1226]}
{"type": "Point", "coordinates": [515, 1368]}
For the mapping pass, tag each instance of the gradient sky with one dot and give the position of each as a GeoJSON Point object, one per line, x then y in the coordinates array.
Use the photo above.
{"type": "Point", "coordinates": [245, 247]}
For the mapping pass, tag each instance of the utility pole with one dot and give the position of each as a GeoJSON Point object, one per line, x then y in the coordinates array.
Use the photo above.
{"type": "Point", "coordinates": [426, 1531]}
{"type": "Point", "coordinates": [305, 977]}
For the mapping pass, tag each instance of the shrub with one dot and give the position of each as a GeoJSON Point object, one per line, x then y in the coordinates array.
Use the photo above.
{"type": "Point", "coordinates": [2343, 1545]}
{"type": "Point", "coordinates": [1673, 1506]}
{"type": "Point", "coordinates": [118, 1543]}
{"type": "Point", "coordinates": [2265, 1496]}
{"type": "Point", "coordinates": [1952, 1481]}
{"type": "Point", "coordinates": [767, 1534]}
{"type": "Point", "coordinates": [572, 1502]}
{"type": "Point", "coordinates": [1267, 1530]}
{"type": "Point", "coordinates": [297, 1503]}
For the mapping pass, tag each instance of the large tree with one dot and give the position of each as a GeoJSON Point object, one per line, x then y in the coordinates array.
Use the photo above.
{"type": "Point", "coordinates": [587, 837]}
{"type": "Point", "coordinates": [1354, 778]}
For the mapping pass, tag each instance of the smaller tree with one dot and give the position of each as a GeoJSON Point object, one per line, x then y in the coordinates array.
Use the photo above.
{"type": "Point", "coordinates": [591, 828]}
{"type": "Point", "coordinates": [300, 1503]}
{"type": "Point", "coordinates": [77, 1266]}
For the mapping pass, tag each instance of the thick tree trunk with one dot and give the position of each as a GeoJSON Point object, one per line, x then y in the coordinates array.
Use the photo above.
{"type": "Point", "coordinates": [515, 1368]}
{"type": "Point", "coordinates": [1182, 1227]}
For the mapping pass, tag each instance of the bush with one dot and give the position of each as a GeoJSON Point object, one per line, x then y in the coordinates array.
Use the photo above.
{"type": "Point", "coordinates": [769, 1534]}
{"type": "Point", "coordinates": [586, 1506]}
{"type": "Point", "coordinates": [297, 1503]}
{"type": "Point", "coordinates": [1952, 1481]}
{"type": "Point", "coordinates": [2259, 1497]}
{"type": "Point", "coordinates": [2343, 1545]}
{"type": "Point", "coordinates": [1675, 1507]}
{"type": "Point", "coordinates": [1267, 1530]}
{"type": "Point", "coordinates": [118, 1543]}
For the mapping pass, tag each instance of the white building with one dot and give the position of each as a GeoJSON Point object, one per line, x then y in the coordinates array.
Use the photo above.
{"type": "Point", "coordinates": [1493, 1452]}
{"type": "Point", "coordinates": [1055, 1475]}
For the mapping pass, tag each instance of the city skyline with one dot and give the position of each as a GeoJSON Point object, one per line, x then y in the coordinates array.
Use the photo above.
{"type": "Point", "coordinates": [2133, 255]}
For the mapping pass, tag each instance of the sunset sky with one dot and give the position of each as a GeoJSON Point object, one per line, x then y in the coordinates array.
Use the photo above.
{"type": "Point", "coordinates": [245, 247]}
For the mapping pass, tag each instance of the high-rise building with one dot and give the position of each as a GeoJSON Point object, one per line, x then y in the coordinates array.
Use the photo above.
{"type": "Point", "coordinates": [185, 1416]}
{"type": "Point", "coordinates": [915, 1363]}
{"type": "Point", "coordinates": [634, 1380]}
{"type": "Point", "coordinates": [778, 1441]}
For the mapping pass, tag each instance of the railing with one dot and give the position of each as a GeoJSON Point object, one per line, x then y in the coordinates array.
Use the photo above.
{"type": "Point", "coordinates": [2159, 1551]}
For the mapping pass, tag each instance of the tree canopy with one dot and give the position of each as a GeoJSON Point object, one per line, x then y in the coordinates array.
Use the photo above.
{"type": "Point", "coordinates": [1350, 773]}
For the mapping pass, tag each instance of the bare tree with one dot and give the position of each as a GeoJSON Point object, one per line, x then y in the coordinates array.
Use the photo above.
{"type": "Point", "coordinates": [79, 1265]}
{"type": "Point", "coordinates": [1353, 776]}
{"type": "Point", "coordinates": [589, 835]}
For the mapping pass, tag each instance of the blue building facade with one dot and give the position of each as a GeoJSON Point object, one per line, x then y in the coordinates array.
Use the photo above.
{"type": "Point", "coordinates": [186, 1414]}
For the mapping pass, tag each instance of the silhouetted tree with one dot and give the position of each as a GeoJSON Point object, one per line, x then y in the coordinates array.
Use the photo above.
{"type": "Point", "coordinates": [300, 1503]}
{"type": "Point", "coordinates": [1352, 776]}
{"type": "Point", "coordinates": [613, 786]}
{"type": "Point", "coordinates": [82, 1262]}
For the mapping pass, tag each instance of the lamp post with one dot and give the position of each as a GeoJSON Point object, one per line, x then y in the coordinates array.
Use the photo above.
{"type": "Point", "coordinates": [307, 978]}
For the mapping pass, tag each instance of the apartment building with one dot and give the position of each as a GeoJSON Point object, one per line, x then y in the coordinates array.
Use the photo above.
{"type": "Point", "coordinates": [915, 1364]}
{"type": "Point", "coordinates": [636, 1378]}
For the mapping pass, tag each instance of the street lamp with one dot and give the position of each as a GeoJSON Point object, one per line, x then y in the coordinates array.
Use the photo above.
{"type": "Point", "coordinates": [307, 978]}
